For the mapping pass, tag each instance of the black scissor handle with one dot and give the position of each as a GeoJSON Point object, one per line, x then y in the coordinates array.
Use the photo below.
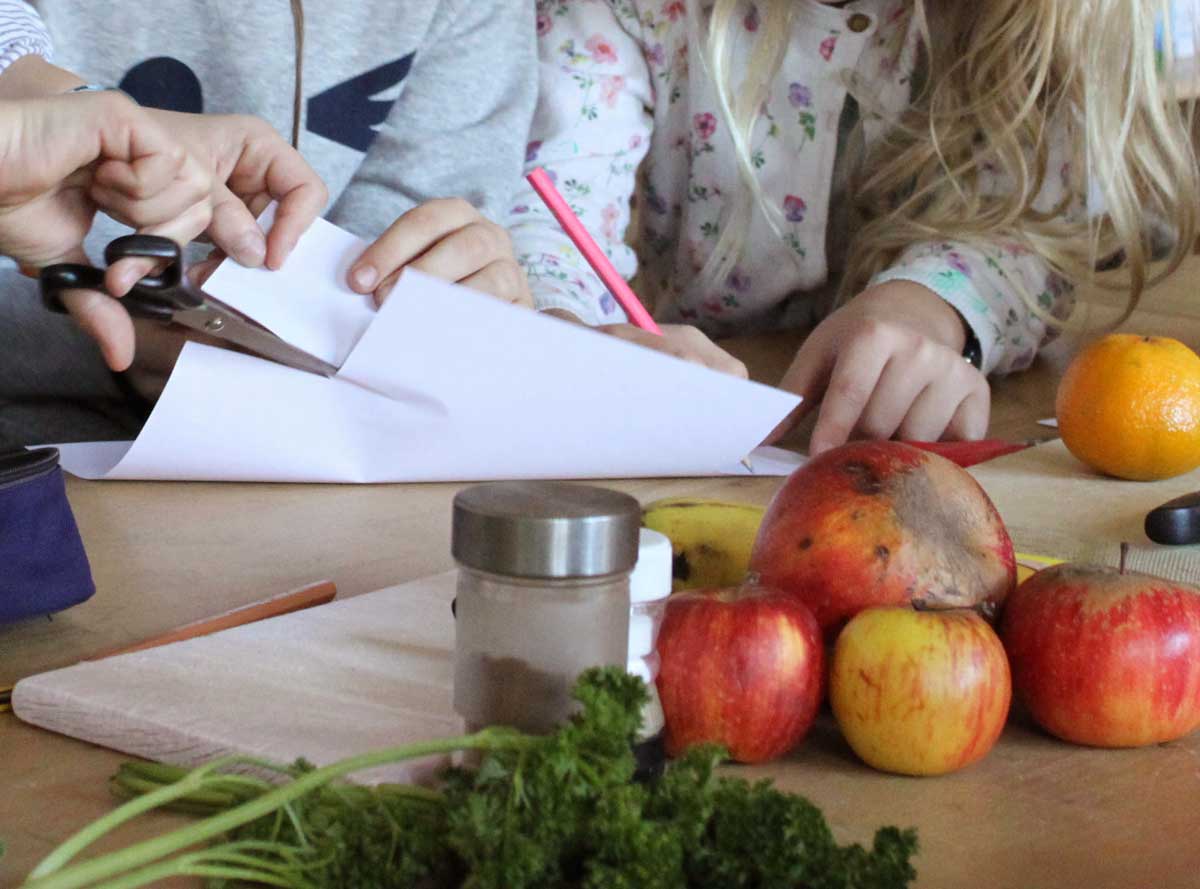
{"type": "Point", "coordinates": [54, 279]}
{"type": "Point", "coordinates": [156, 297]}
{"type": "Point", "coordinates": [149, 247]}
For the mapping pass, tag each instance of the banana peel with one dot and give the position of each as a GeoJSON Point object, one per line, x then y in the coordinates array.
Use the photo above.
{"type": "Point", "coordinates": [710, 539]}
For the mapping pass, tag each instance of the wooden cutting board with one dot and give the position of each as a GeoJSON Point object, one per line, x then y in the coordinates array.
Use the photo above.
{"type": "Point", "coordinates": [356, 675]}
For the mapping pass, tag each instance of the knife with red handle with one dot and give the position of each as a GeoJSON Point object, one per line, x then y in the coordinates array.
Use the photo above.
{"type": "Point", "coordinates": [968, 453]}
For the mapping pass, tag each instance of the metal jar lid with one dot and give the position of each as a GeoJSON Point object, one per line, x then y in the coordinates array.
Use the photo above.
{"type": "Point", "coordinates": [545, 530]}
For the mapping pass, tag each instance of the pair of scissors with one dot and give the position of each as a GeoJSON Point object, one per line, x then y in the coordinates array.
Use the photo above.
{"type": "Point", "coordinates": [170, 297]}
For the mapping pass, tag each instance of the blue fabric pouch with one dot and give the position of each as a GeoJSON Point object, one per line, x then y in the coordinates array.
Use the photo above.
{"type": "Point", "coordinates": [43, 567]}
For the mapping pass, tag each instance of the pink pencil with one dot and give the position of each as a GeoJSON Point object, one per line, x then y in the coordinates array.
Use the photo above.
{"type": "Point", "coordinates": [591, 251]}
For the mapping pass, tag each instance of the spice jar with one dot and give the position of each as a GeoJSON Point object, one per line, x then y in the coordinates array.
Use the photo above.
{"type": "Point", "coordinates": [543, 594]}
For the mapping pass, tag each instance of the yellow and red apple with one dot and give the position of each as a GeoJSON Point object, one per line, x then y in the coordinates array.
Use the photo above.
{"type": "Point", "coordinates": [1105, 658]}
{"type": "Point", "coordinates": [919, 692]}
{"type": "Point", "coordinates": [742, 668]}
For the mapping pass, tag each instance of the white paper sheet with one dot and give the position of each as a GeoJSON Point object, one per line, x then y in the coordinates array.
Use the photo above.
{"type": "Point", "coordinates": [443, 384]}
{"type": "Point", "coordinates": [315, 309]}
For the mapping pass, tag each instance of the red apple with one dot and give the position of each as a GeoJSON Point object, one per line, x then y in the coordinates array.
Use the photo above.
{"type": "Point", "coordinates": [919, 692]}
{"type": "Point", "coordinates": [742, 668]}
{"type": "Point", "coordinates": [1104, 658]}
{"type": "Point", "coordinates": [883, 523]}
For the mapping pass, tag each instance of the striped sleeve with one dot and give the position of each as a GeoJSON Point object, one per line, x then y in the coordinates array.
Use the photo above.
{"type": "Point", "coordinates": [21, 33]}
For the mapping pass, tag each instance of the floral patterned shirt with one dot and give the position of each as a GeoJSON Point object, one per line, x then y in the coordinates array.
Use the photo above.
{"type": "Point", "coordinates": [623, 87]}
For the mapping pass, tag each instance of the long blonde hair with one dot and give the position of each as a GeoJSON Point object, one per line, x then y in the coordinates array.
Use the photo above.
{"type": "Point", "coordinates": [1021, 73]}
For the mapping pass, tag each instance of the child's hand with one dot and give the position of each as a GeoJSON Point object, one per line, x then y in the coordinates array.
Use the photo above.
{"type": "Point", "coordinates": [451, 240]}
{"type": "Point", "coordinates": [889, 363]}
{"type": "Point", "coordinates": [681, 340]}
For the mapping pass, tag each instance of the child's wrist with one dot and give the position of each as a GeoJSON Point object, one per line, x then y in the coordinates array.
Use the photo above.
{"type": "Point", "coordinates": [916, 306]}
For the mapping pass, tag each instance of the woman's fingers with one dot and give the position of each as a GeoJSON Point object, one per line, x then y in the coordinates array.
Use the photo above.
{"type": "Point", "coordinates": [105, 320]}
{"type": "Point", "coordinates": [235, 230]}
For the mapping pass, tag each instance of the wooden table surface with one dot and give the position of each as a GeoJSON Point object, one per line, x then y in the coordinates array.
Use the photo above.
{"type": "Point", "coordinates": [1035, 814]}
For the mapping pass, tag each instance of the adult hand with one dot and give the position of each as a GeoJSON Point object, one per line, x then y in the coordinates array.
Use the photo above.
{"type": "Point", "coordinates": [250, 165]}
{"type": "Point", "coordinates": [55, 151]}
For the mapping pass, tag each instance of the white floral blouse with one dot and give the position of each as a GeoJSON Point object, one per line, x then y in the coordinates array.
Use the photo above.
{"type": "Point", "coordinates": [622, 84]}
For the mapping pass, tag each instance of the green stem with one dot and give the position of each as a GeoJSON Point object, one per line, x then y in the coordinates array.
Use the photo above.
{"type": "Point", "coordinates": [131, 787]}
{"type": "Point", "coordinates": [412, 791]}
{"type": "Point", "coordinates": [75, 844]}
{"type": "Point", "coordinates": [88, 872]}
{"type": "Point", "coordinates": [184, 868]}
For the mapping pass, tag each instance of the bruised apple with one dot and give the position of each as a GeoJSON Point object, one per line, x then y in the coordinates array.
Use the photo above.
{"type": "Point", "coordinates": [1105, 658]}
{"type": "Point", "coordinates": [883, 523]}
{"type": "Point", "coordinates": [741, 668]}
{"type": "Point", "coordinates": [919, 692]}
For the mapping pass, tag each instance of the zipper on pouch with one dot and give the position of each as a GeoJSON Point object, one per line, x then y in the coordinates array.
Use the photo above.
{"type": "Point", "coordinates": [18, 467]}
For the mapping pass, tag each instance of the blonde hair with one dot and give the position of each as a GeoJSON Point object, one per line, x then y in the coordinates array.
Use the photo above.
{"type": "Point", "coordinates": [1022, 73]}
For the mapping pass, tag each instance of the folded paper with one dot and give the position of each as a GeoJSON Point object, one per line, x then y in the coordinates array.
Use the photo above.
{"type": "Point", "coordinates": [441, 384]}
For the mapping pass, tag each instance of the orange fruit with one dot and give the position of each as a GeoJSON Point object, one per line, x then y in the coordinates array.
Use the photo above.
{"type": "Point", "coordinates": [1129, 406]}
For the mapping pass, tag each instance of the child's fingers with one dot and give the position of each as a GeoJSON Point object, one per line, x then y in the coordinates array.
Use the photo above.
{"type": "Point", "coordinates": [931, 414]}
{"type": "Point", "coordinates": [464, 251]}
{"type": "Point", "coordinates": [809, 372]}
{"type": "Point", "coordinates": [407, 238]}
{"type": "Point", "coordinates": [903, 380]}
{"type": "Point", "coordinates": [503, 279]}
{"type": "Point", "coordinates": [851, 385]}
{"type": "Point", "coordinates": [694, 345]}
{"type": "Point", "coordinates": [807, 377]}
{"type": "Point", "coordinates": [682, 341]}
{"type": "Point", "coordinates": [105, 320]}
{"type": "Point", "coordinates": [970, 421]}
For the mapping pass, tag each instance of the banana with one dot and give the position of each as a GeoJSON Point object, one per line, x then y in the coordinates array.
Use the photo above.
{"type": "Point", "coordinates": [711, 539]}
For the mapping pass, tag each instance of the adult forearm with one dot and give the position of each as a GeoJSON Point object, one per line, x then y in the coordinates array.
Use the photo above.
{"type": "Point", "coordinates": [31, 77]}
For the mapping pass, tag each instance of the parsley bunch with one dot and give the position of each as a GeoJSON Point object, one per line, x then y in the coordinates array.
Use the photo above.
{"type": "Point", "coordinates": [560, 811]}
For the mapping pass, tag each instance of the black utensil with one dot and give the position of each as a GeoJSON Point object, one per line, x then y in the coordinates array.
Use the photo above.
{"type": "Point", "coordinates": [1176, 522]}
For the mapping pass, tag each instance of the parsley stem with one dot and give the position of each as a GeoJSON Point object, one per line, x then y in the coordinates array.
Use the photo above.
{"type": "Point", "coordinates": [50, 875]}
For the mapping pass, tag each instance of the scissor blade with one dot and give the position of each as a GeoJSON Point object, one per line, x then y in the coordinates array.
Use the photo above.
{"type": "Point", "coordinates": [220, 321]}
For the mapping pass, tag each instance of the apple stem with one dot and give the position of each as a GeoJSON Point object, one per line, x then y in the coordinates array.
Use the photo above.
{"type": "Point", "coordinates": [1124, 556]}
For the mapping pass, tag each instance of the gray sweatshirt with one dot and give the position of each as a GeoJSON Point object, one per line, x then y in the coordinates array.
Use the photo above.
{"type": "Point", "coordinates": [403, 101]}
